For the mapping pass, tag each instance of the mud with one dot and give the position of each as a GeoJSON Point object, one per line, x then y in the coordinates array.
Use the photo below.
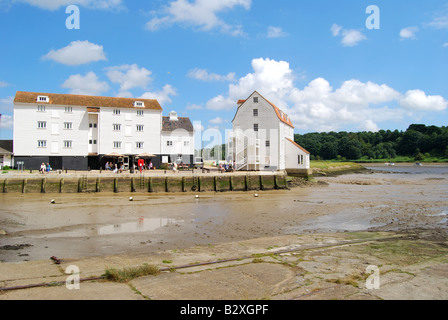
{"type": "Point", "coordinates": [85, 225]}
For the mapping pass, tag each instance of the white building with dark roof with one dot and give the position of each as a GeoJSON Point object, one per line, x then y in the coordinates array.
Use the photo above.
{"type": "Point", "coordinates": [81, 132]}
{"type": "Point", "coordinates": [177, 140]}
{"type": "Point", "coordinates": [263, 138]}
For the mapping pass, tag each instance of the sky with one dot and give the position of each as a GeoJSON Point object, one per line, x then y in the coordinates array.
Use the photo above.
{"type": "Point", "coordinates": [345, 65]}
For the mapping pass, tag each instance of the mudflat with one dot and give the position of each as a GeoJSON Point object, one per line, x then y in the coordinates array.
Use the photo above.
{"type": "Point", "coordinates": [313, 241]}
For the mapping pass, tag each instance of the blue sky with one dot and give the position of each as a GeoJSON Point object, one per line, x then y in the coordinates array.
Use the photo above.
{"type": "Point", "coordinates": [317, 60]}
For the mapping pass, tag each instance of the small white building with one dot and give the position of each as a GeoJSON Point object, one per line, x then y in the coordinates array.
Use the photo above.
{"type": "Point", "coordinates": [263, 138]}
{"type": "Point", "coordinates": [6, 154]}
{"type": "Point", "coordinates": [177, 141]}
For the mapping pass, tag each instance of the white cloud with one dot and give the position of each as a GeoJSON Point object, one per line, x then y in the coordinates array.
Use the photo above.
{"type": "Point", "coordinates": [269, 75]}
{"type": "Point", "coordinates": [194, 107]}
{"type": "Point", "coordinates": [202, 14]}
{"type": "Point", "coordinates": [336, 30]}
{"type": "Point", "coordinates": [204, 75]}
{"type": "Point", "coordinates": [7, 104]}
{"type": "Point", "coordinates": [162, 96]}
{"type": "Point", "coordinates": [408, 33]}
{"type": "Point", "coordinates": [129, 77]}
{"type": "Point", "coordinates": [445, 45]}
{"type": "Point", "coordinates": [441, 21]}
{"type": "Point", "coordinates": [92, 4]}
{"type": "Point", "coordinates": [77, 53]}
{"type": "Point", "coordinates": [85, 85]}
{"type": "Point", "coordinates": [3, 84]}
{"type": "Point", "coordinates": [6, 122]}
{"type": "Point", "coordinates": [319, 106]}
{"type": "Point", "coordinates": [217, 120]}
{"type": "Point", "coordinates": [276, 32]}
{"type": "Point", "coordinates": [369, 125]}
{"type": "Point", "coordinates": [418, 100]}
{"type": "Point", "coordinates": [350, 37]}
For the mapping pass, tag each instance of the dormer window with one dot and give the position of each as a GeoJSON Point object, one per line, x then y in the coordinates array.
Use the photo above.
{"type": "Point", "coordinates": [139, 104]}
{"type": "Point", "coordinates": [43, 99]}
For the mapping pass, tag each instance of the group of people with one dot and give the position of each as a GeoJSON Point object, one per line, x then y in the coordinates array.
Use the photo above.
{"type": "Point", "coordinates": [45, 168]}
{"type": "Point", "coordinates": [120, 168]}
{"type": "Point", "coordinates": [227, 167]}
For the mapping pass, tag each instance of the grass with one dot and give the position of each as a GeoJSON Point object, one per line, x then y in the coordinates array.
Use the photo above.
{"type": "Point", "coordinates": [315, 164]}
{"type": "Point", "coordinates": [127, 274]}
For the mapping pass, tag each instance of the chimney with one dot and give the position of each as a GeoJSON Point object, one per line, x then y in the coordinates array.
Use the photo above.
{"type": "Point", "coordinates": [173, 116]}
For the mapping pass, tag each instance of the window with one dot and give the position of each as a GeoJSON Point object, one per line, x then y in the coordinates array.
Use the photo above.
{"type": "Point", "coordinates": [41, 124]}
{"type": "Point", "coordinates": [255, 112]}
{"type": "Point", "coordinates": [256, 127]}
{"type": "Point", "coordinates": [41, 108]}
{"type": "Point", "coordinates": [300, 159]}
{"type": "Point", "coordinates": [68, 144]}
{"type": "Point", "coordinates": [92, 141]}
{"type": "Point", "coordinates": [42, 143]}
{"type": "Point", "coordinates": [139, 145]}
{"type": "Point", "coordinates": [68, 126]}
{"type": "Point", "coordinates": [43, 99]}
{"type": "Point", "coordinates": [140, 128]}
{"type": "Point", "coordinates": [92, 125]}
{"type": "Point", "coordinates": [186, 143]}
{"type": "Point", "coordinates": [169, 143]}
{"type": "Point", "coordinates": [117, 127]}
{"type": "Point", "coordinates": [140, 112]}
{"type": "Point", "coordinates": [117, 112]}
{"type": "Point", "coordinates": [255, 99]}
{"type": "Point", "coordinates": [117, 144]}
{"type": "Point", "coordinates": [139, 104]}
{"type": "Point", "coordinates": [268, 143]}
{"type": "Point", "coordinates": [68, 109]}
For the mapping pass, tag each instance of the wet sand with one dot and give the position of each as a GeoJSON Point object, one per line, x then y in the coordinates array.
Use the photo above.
{"type": "Point", "coordinates": [95, 225]}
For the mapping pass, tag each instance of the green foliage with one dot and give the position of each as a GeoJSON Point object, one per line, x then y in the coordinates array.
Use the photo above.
{"type": "Point", "coordinates": [418, 142]}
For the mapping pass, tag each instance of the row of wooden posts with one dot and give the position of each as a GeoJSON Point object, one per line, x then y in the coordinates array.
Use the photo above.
{"type": "Point", "coordinates": [144, 184]}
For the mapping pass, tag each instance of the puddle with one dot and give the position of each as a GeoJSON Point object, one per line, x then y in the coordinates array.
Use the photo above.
{"type": "Point", "coordinates": [142, 225]}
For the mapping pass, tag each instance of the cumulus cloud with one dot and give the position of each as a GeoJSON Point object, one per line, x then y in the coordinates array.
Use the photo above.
{"type": "Point", "coordinates": [202, 14]}
{"type": "Point", "coordinates": [350, 37]}
{"type": "Point", "coordinates": [321, 107]}
{"type": "Point", "coordinates": [6, 121]}
{"type": "Point", "coordinates": [408, 33]}
{"type": "Point", "coordinates": [276, 32]}
{"type": "Point", "coordinates": [85, 85]}
{"type": "Point", "coordinates": [418, 100]}
{"type": "Point", "coordinates": [204, 75]}
{"type": "Point", "coordinates": [77, 53]}
{"type": "Point", "coordinates": [129, 77]}
{"type": "Point", "coordinates": [162, 96]}
{"type": "Point", "coordinates": [92, 4]}
{"type": "Point", "coordinates": [3, 84]}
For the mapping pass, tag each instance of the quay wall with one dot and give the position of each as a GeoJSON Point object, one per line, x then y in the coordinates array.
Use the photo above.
{"type": "Point", "coordinates": [143, 184]}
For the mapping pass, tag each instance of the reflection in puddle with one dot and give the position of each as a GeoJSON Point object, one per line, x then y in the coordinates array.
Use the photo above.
{"type": "Point", "coordinates": [141, 225]}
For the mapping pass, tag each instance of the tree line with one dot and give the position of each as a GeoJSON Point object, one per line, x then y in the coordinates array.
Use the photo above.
{"type": "Point", "coordinates": [418, 142]}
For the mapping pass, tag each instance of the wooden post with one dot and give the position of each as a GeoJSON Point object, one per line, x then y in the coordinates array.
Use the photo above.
{"type": "Point", "coordinates": [275, 182]}
{"type": "Point", "coordinates": [116, 185]}
{"type": "Point", "coordinates": [5, 186]}
{"type": "Point", "coordinates": [132, 184]}
{"type": "Point", "coordinates": [261, 182]}
{"type": "Point", "coordinates": [150, 185]}
{"type": "Point", "coordinates": [98, 185]}
{"type": "Point", "coordinates": [61, 185]}
{"type": "Point", "coordinates": [43, 185]}
{"type": "Point", "coordinates": [24, 185]}
{"type": "Point", "coordinates": [231, 183]}
{"type": "Point", "coordinates": [183, 184]}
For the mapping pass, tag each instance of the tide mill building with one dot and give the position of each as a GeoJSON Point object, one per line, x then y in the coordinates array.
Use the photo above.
{"type": "Point", "coordinates": [263, 138]}
{"type": "Point", "coordinates": [79, 132]}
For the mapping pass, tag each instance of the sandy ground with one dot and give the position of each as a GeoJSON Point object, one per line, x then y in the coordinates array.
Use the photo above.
{"type": "Point", "coordinates": [314, 241]}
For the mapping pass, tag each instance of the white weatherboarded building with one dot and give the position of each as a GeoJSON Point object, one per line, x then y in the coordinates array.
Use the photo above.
{"type": "Point", "coordinates": [80, 132]}
{"type": "Point", "coordinates": [263, 138]}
